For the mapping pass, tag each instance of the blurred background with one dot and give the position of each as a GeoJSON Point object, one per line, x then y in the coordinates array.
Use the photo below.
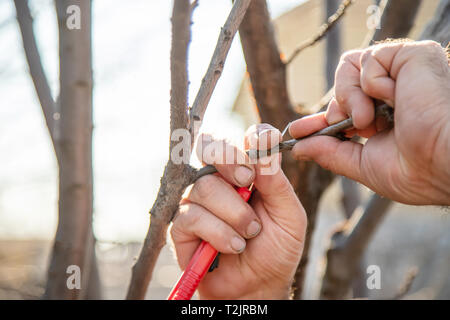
{"type": "Point", "coordinates": [131, 50]}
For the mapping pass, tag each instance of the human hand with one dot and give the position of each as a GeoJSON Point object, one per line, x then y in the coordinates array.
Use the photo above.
{"type": "Point", "coordinates": [261, 242]}
{"type": "Point", "coordinates": [408, 163]}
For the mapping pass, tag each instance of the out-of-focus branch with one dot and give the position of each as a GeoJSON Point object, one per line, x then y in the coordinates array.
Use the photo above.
{"type": "Point", "coordinates": [397, 19]}
{"type": "Point", "coordinates": [51, 115]}
{"type": "Point", "coordinates": [333, 43]}
{"type": "Point", "coordinates": [36, 69]}
{"type": "Point", "coordinates": [439, 27]}
{"type": "Point", "coordinates": [348, 246]}
{"type": "Point", "coordinates": [407, 284]}
{"type": "Point", "coordinates": [217, 62]}
{"type": "Point", "coordinates": [395, 22]}
{"type": "Point", "coordinates": [268, 78]}
{"type": "Point", "coordinates": [177, 177]}
{"type": "Point", "coordinates": [323, 30]}
{"type": "Point", "coordinates": [267, 71]}
{"type": "Point", "coordinates": [74, 239]}
{"type": "Point", "coordinates": [333, 51]}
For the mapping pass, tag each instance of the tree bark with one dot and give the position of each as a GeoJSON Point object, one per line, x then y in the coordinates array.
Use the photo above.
{"type": "Point", "coordinates": [74, 233]}
{"type": "Point", "coordinates": [51, 111]}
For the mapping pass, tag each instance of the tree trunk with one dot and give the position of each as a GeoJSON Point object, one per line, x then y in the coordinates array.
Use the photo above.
{"type": "Point", "coordinates": [74, 233]}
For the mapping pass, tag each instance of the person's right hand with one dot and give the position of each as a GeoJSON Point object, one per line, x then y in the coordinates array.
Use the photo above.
{"type": "Point", "coordinates": [409, 163]}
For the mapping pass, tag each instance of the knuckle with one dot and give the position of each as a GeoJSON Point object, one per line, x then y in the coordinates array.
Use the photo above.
{"type": "Point", "coordinates": [203, 188]}
{"type": "Point", "coordinates": [368, 85]}
{"type": "Point", "coordinates": [188, 215]}
{"type": "Point", "coordinates": [342, 95]}
{"type": "Point", "coordinates": [243, 215]}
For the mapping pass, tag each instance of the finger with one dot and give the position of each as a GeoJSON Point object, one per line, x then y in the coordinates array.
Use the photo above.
{"type": "Point", "coordinates": [264, 137]}
{"type": "Point", "coordinates": [219, 197]}
{"type": "Point", "coordinates": [231, 162]}
{"type": "Point", "coordinates": [375, 79]}
{"type": "Point", "coordinates": [194, 223]}
{"type": "Point", "coordinates": [272, 185]}
{"type": "Point", "coordinates": [350, 98]}
{"type": "Point", "coordinates": [335, 113]}
{"type": "Point", "coordinates": [343, 158]}
{"type": "Point", "coordinates": [308, 125]}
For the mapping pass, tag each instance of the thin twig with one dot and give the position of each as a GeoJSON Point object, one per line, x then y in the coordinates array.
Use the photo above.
{"type": "Point", "coordinates": [323, 30]}
{"type": "Point", "coordinates": [407, 283]}
{"type": "Point", "coordinates": [217, 63]}
{"type": "Point", "coordinates": [36, 69]}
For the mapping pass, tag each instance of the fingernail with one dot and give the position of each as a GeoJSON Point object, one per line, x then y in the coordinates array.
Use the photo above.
{"type": "Point", "coordinates": [243, 175]}
{"type": "Point", "coordinates": [238, 244]}
{"type": "Point", "coordinates": [253, 229]}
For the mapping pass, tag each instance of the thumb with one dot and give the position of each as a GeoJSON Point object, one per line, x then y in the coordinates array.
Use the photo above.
{"type": "Point", "coordinates": [274, 188]}
{"type": "Point", "coordinates": [341, 157]}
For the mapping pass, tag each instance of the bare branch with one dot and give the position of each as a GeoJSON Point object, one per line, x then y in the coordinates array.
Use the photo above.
{"type": "Point", "coordinates": [217, 62]}
{"type": "Point", "coordinates": [267, 71]}
{"type": "Point", "coordinates": [397, 19]}
{"type": "Point", "coordinates": [348, 245]}
{"type": "Point", "coordinates": [439, 27]}
{"type": "Point", "coordinates": [407, 283]}
{"type": "Point", "coordinates": [323, 30]}
{"type": "Point", "coordinates": [392, 25]}
{"type": "Point", "coordinates": [176, 177]}
{"type": "Point", "coordinates": [73, 239]}
{"type": "Point", "coordinates": [36, 69]}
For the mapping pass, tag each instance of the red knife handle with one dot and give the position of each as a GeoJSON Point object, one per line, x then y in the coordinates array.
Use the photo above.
{"type": "Point", "coordinates": [199, 264]}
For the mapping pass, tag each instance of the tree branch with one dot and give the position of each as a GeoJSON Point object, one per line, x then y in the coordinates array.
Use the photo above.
{"type": "Point", "coordinates": [323, 30]}
{"type": "Point", "coordinates": [36, 69]}
{"type": "Point", "coordinates": [267, 71]}
{"type": "Point", "coordinates": [397, 19]}
{"type": "Point", "coordinates": [177, 177]}
{"type": "Point", "coordinates": [348, 245]}
{"type": "Point", "coordinates": [73, 239]}
{"type": "Point", "coordinates": [217, 63]}
{"type": "Point", "coordinates": [439, 27]}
